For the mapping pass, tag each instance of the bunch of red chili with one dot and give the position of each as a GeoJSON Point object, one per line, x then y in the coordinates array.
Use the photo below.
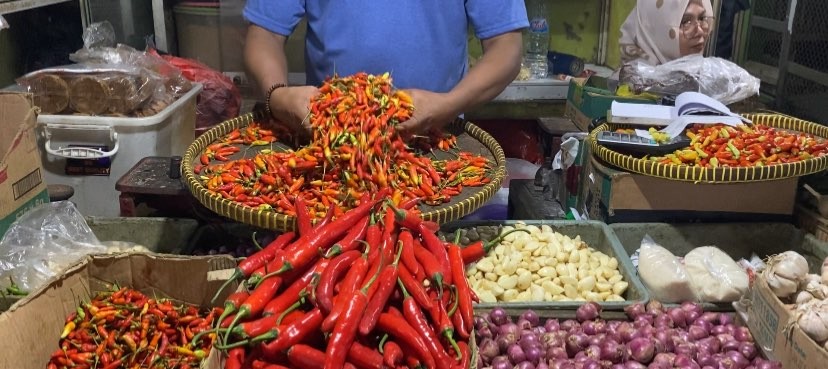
{"type": "Point", "coordinates": [126, 329]}
{"type": "Point", "coordinates": [371, 289]}
{"type": "Point", "coordinates": [355, 149]}
{"type": "Point", "coordinates": [746, 146]}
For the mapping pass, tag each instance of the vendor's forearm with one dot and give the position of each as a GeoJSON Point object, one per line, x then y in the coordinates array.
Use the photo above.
{"type": "Point", "coordinates": [498, 67]}
{"type": "Point", "coordinates": [264, 55]}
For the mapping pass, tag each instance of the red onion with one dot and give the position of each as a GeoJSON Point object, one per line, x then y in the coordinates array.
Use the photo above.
{"type": "Point", "coordinates": [508, 328]}
{"type": "Point", "coordinates": [641, 350]}
{"type": "Point", "coordinates": [666, 337]}
{"type": "Point", "coordinates": [531, 316]}
{"type": "Point", "coordinates": [488, 349]}
{"type": "Point", "coordinates": [767, 364]}
{"type": "Point", "coordinates": [551, 340]}
{"type": "Point", "coordinates": [593, 351]}
{"type": "Point", "coordinates": [655, 307]}
{"type": "Point", "coordinates": [618, 366]}
{"type": "Point", "coordinates": [557, 352]}
{"type": "Point", "coordinates": [643, 321]}
{"type": "Point", "coordinates": [682, 336]}
{"type": "Point", "coordinates": [533, 354]}
{"type": "Point", "coordinates": [659, 365]}
{"type": "Point", "coordinates": [525, 365]}
{"type": "Point", "coordinates": [524, 324]}
{"type": "Point", "coordinates": [691, 307]}
{"type": "Point", "coordinates": [666, 358]}
{"type": "Point", "coordinates": [589, 311]}
{"type": "Point", "coordinates": [552, 325]}
{"type": "Point", "coordinates": [697, 332]}
{"type": "Point", "coordinates": [711, 317]}
{"type": "Point", "coordinates": [596, 339]}
{"type": "Point", "coordinates": [498, 316]}
{"type": "Point", "coordinates": [612, 351]}
{"type": "Point", "coordinates": [613, 325]}
{"type": "Point", "coordinates": [504, 341]}
{"type": "Point", "coordinates": [748, 350]}
{"type": "Point", "coordinates": [734, 360]}
{"type": "Point", "coordinates": [685, 362]}
{"type": "Point", "coordinates": [705, 360]}
{"type": "Point", "coordinates": [724, 337]}
{"type": "Point", "coordinates": [625, 332]}
{"type": "Point", "coordinates": [687, 349]}
{"type": "Point", "coordinates": [539, 330]}
{"type": "Point", "coordinates": [678, 316]}
{"type": "Point", "coordinates": [594, 327]}
{"type": "Point", "coordinates": [709, 345]}
{"type": "Point", "coordinates": [592, 364]}
{"type": "Point", "coordinates": [575, 343]}
{"type": "Point", "coordinates": [635, 310]}
{"type": "Point", "coordinates": [708, 367]}
{"type": "Point", "coordinates": [484, 332]}
{"type": "Point", "coordinates": [725, 319]}
{"type": "Point", "coordinates": [569, 324]}
{"type": "Point", "coordinates": [634, 365]}
{"type": "Point", "coordinates": [707, 326]}
{"type": "Point", "coordinates": [663, 321]}
{"type": "Point", "coordinates": [541, 365]}
{"type": "Point", "coordinates": [730, 345]}
{"type": "Point", "coordinates": [501, 362]}
{"type": "Point", "coordinates": [742, 334]}
{"type": "Point", "coordinates": [568, 364]}
{"type": "Point", "coordinates": [692, 316]}
{"type": "Point", "coordinates": [516, 354]}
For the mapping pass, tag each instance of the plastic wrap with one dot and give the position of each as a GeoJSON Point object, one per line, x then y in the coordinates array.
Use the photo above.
{"type": "Point", "coordinates": [714, 275]}
{"type": "Point", "coordinates": [44, 241]}
{"type": "Point", "coordinates": [714, 77]}
{"type": "Point", "coordinates": [663, 273]}
{"type": "Point", "coordinates": [108, 80]}
{"type": "Point", "coordinates": [219, 99]}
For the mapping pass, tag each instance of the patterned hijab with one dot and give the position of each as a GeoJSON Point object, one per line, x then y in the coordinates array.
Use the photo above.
{"type": "Point", "coordinates": [651, 31]}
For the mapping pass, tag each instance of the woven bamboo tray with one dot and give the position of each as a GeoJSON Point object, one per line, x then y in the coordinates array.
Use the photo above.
{"type": "Point", "coordinates": [719, 175]}
{"type": "Point", "coordinates": [470, 138]}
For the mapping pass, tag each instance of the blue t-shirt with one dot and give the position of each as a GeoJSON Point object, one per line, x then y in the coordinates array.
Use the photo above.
{"type": "Point", "coordinates": [422, 43]}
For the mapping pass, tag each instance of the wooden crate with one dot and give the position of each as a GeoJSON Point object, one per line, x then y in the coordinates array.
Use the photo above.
{"type": "Point", "coordinates": [809, 220]}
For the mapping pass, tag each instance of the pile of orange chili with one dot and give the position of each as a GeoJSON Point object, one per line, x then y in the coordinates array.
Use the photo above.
{"type": "Point", "coordinates": [354, 150]}
{"type": "Point", "coordinates": [373, 288]}
{"type": "Point", "coordinates": [126, 329]}
{"type": "Point", "coordinates": [744, 146]}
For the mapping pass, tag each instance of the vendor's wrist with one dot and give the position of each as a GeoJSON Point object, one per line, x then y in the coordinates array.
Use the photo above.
{"type": "Point", "coordinates": [272, 105]}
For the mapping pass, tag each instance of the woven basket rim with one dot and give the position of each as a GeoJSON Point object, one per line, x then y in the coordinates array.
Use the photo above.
{"type": "Point", "coordinates": [269, 219]}
{"type": "Point", "coordinates": [719, 175]}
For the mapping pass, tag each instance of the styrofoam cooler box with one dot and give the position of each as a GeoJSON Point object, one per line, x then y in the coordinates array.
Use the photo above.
{"type": "Point", "coordinates": [123, 141]}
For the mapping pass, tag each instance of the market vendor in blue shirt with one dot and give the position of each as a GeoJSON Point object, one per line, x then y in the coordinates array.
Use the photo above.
{"type": "Point", "coordinates": [422, 43]}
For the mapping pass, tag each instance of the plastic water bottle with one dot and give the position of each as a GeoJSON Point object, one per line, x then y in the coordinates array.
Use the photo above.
{"type": "Point", "coordinates": [538, 45]}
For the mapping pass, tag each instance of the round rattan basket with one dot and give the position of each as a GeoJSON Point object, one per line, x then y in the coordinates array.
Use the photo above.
{"type": "Point", "coordinates": [719, 175]}
{"type": "Point", "coordinates": [468, 201]}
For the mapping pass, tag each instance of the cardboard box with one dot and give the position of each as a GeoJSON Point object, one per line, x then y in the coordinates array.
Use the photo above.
{"type": "Point", "coordinates": [21, 173]}
{"type": "Point", "coordinates": [31, 328]}
{"type": "Point", "coordinates": [615, 196]}
{"type": "Point", "coordinates": [590, 98]}
{"type": "Point", "coordinates": [768, 321]}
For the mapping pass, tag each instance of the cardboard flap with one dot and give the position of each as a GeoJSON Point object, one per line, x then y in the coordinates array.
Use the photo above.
{"type": "Point", "coordinates": [17, 116]}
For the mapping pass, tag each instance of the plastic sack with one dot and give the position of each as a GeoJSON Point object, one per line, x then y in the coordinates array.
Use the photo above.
{"type": "Point", "coordinates": [663, 273]}
{"type": "Point", "coordinates": [108, 80]}
{"type": "Point", "coordinates": [715, 276]}
{"type": "Point", "coordinates": [715, 77]}
{"type": "Point", "coordinates": [219, 100]}
{"type": "Point", "coordinates": [43, 242]}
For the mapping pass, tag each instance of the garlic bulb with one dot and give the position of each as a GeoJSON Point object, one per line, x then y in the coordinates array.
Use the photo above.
{"type": "Point", "coordinates": [784, 273]}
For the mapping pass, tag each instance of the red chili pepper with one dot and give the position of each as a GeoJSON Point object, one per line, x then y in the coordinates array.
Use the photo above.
{"type": "Point", "coordinates": [432, 267]}
{"type": "Point", "coordinates": [373, 236]}
{"type": "Point", "coordinates": [477, 250]}
{"type": "Point", "coordinates": [414, 316]}
{"type": "Point", "coordinates": [352, 240]}
{"type": "Point", "coordinates": [464, 299]}
{"type": "Point", "coordinates": [364, 357]}
{"type": "Point", "coordinates": [387, 281]}
{"type": "Point", "coordinates": [345, 330]}
{"type": "Point", "coordinates": [306, 357]}
{"type": "Point", "coordinates": [408, 258]}
{"type": "Point", "coordinates": [351, 282]}
{"type": "Point", "coordinates": [254, 305]}
{"type": "Point", "coordinates": [290, 295]}
{"type": "Point", "coordinates": [258, 260]}
{"type": "Point", "coordinates": [414, 288]}
{"type": "Point", "coordinates": [445, 327]}
{"type": "Point", "coordinates": [407, 219]}
{"type": "Point", "coordinates": [438, 249]}
{"type": "Point", "coordinates": [337, 267]}
{"type": "Point", "coordinates": [293, 333]}
{"type": "Point", "coordinates": [398, 328]}
{"type": "Point", "coordinates": [392, 354]}
{"type": "Point", "coordinates": [303, 220]}
{"type": "Point", "coordinates": [466, 356]}
{"type": "Point", "coordinates": [235, 358]}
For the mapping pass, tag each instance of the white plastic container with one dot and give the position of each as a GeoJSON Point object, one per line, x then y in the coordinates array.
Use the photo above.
{"type": "Point", "coordinates": [128, 140]}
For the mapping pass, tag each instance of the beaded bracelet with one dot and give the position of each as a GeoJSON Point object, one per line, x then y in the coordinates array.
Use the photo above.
{"type": "Point", "coordinates": [270, 92]}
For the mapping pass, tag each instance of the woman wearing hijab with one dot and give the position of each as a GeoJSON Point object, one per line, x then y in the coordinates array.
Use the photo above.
{"type": "Point", "coordinates": [659, 31]}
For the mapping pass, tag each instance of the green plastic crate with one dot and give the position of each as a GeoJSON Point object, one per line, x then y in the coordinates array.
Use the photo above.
{"type": "Point", "coordinates": [598, 236]}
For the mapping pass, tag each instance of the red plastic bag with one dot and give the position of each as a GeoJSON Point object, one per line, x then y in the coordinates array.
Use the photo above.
{"type": "Point", "coordinates": [219, 100]}
{"type": "Point", "coordinates": [518, 138]}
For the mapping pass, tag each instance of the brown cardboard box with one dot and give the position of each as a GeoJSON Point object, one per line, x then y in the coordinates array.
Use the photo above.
{"type": "Point", "coordinates": [21, 174]}
{"type": "Point", "coordinates": [31, 328]}
{"type": "Point", "coordinates": [616, 196]}
{"type": "Point", "coordinates": [768, 319]}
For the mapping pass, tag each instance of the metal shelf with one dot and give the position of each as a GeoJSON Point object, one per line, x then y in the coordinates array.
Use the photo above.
{"type": "Point", "coordinates": [21, 5]}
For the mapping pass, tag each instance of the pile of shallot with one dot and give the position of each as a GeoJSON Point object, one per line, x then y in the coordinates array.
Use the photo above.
{"type": "Point", "coordinates": [788, 278]}
{"type": "Point", "coordinates": [683, 337]}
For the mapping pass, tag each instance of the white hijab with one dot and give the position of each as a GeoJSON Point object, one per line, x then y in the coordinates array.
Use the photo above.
{"type": "Point", "coordinates": [651, 32]}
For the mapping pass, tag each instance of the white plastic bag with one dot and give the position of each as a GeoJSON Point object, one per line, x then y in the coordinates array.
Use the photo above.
{"type": "Point", "coordinates": [43, 242]}
{"type": "Point", "coordinates": [663, 273]}
{"type": "Point", "coordinates": [715, 77]}
{"type": "Point", "coordinates": [714, 275]}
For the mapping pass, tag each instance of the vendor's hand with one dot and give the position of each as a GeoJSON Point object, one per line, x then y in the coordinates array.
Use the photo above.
{"type": "Point", "coordinates": [431, 110]}
{"type": "Point", "coordinates": [291, 106]}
